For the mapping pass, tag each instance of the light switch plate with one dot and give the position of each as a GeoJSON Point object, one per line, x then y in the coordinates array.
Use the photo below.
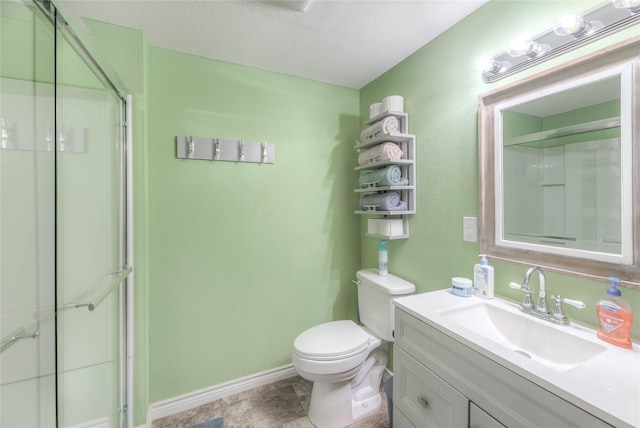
{"type": "Point", "coordinates": [470, 229]}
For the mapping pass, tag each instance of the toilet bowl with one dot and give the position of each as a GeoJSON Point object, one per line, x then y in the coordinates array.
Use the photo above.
{"type": "Point", "coordinates": [345, 361]}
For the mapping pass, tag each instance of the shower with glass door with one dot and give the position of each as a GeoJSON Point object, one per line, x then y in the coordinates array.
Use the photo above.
{"type": "Point", "coordinates": [64, 264]}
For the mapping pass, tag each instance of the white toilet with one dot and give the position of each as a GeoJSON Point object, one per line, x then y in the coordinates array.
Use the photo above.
{"type": "Point", "coordinates": [345, 361]}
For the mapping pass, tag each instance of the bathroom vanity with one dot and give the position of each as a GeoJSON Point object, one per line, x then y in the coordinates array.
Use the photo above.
{"type": "Point", "coordinates": [470, 362]}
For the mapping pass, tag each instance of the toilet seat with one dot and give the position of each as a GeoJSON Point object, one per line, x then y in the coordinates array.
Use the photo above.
{"type": "Point", "coordinates": [332, 341]}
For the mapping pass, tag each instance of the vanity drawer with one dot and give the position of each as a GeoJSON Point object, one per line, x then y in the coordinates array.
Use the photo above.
{"type": "Point", "coordinates": [424, 398]}
{"type": "Point", "coordinates": [400, 420]}
{"type": "Point", "coordinates": [478, 418]}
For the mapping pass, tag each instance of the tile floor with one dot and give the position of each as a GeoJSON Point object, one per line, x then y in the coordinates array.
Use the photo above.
{"type": "Point", "coordinates": [283, 404]}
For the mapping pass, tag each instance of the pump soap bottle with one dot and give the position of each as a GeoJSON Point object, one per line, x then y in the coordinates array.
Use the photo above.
{"type": "Point", "coordinates": [483, 279]}
{"type": "Point", "coordinates": [383, 259]}
{"type": "Point", "coordinates": [615, 317]}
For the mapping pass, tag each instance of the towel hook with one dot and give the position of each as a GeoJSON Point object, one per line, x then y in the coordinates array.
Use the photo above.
{"type": "Point", "coordinates": [190, 147]}
{"type": "Point", "coordinates": [241, 144]}
{"type": "Point", "coordinates": [216, 144]}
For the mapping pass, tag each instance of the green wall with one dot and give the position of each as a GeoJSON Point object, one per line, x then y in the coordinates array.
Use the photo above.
{"type": "Point", "coordinates": [441, 86]}
{"type": "Point", "coordinates": [243, 257]}
{"type": "Point", "coordinates": [237, 259]}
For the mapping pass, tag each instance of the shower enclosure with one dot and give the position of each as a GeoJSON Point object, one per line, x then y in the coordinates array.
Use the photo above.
{"type": "Point", "coordinates": [63, 227]}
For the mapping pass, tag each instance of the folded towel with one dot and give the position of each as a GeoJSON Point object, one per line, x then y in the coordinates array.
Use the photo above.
{"type": "Point", "coordinates": [384, 201]}
{"type": "Point", "coordinates": [389, 176]}
{"type": "Point", "coordinates": [384, 151]}
{"type": "Point", "coordinates": [385, 126]}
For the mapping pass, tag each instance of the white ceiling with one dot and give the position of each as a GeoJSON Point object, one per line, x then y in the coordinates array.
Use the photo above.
{"type": "Point", "coordinates": [346, 43]}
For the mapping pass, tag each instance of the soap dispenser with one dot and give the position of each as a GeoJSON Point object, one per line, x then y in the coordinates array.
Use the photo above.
{"type": "Point", "coordinates": [615, 317]}
{"type": "Point", "coordinates": [483, 278]}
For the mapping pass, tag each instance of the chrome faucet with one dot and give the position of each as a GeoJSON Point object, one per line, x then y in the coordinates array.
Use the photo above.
{"type": "Point", "coordinates": [540, 308]}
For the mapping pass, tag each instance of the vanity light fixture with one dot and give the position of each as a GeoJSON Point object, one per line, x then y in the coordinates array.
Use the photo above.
{"type": "Point", "coordinates": [632, 5]}
{"type": "Point", "coordinates": [568, 33]}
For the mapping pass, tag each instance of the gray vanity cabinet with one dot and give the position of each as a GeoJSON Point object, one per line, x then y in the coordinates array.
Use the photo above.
{"type": "Point", "coordinates": [480, 419]}
{"type": "Point", "coordinates": [442, 383]}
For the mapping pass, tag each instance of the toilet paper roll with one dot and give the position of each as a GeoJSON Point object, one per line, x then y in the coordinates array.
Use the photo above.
{"type": "Point", "coordinates": [390, 228]}
{"type": "Point", "coordinates": [393, 103]}
{"type": "Point", "coordinates": [373, 226]}
{"type": "Point", "coordinates": [374, 110]}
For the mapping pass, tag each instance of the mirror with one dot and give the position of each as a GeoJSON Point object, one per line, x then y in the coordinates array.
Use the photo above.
{"type": "Point", "coordinates": [559, 156]}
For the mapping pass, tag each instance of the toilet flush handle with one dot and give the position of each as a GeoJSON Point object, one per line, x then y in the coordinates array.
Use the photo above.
{"type": "Point", "coordinates": [357, 282]}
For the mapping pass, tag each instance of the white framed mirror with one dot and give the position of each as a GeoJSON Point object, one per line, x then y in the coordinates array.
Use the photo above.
{"type": "Point", "coordinates": [559, 158]}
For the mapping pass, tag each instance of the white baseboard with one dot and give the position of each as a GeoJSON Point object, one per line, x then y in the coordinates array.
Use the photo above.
{"type": "Point", "coordinates": [97, 423]}
{"type": "Point", "coordinates": [197, 398]}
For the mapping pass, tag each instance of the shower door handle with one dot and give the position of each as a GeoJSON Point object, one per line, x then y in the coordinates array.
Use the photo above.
{"type": "Point", "coordinates": [16, 335]}
{"type": "Point", "coordinates": [98, 297]}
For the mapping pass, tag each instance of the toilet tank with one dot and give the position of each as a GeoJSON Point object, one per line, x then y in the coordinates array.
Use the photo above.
{"type": "Point", "coordinates": [375, 300]}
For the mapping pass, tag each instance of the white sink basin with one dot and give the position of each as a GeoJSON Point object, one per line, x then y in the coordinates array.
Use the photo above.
{"type": "Point", "coordinates": [545, 343]}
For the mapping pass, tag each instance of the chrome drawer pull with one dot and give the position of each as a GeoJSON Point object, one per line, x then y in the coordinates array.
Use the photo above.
{"type": "Point", "coordinates": [424, 403]}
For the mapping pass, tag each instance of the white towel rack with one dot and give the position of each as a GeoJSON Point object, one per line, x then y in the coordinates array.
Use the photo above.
{"type": "Point", "coordinates": [189, 147]}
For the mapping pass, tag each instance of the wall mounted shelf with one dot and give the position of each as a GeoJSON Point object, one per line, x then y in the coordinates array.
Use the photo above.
{"type": "Point", "coordinates": [582, 128]}
{"type": "Point", "coordinates": [406, 142]}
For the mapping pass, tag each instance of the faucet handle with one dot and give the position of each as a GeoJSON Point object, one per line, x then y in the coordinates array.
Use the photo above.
{"type": "Point", "coordinates": [516, 286]}
{"type": "Point", "coordinates": [558, 314]}
{"type": "Point", "coordinates": [577, 303]}
{"type": "Point", "coordinates": [526, 304]}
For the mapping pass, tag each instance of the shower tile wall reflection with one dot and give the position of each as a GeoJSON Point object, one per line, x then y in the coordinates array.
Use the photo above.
{"type": "Point", "coordinates": [27, 366]}
{"type": "Point", "coordinates": [88, 243]}
{"type": "Point", "coordinates": [564, 191]}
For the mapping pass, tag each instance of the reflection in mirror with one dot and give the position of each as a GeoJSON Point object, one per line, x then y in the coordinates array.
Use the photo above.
{"type": "Point", "coordinates": [562, 169]}
{"type": "Point", "coordinates": [558, 171]}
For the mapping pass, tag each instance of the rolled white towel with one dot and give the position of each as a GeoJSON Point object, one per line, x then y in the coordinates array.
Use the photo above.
{"type": "Point", "coordinates": [385, 126]}
{"type": "Point", "coordinates": [380, 152]}
{"type": "Point", "coordinates": [384, 201]}
{"type": "Point", "coordinates": [387, 176]}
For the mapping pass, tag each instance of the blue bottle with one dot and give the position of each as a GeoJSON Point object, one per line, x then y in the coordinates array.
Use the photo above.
{"type": "Point", "coordinates": [383, 259]}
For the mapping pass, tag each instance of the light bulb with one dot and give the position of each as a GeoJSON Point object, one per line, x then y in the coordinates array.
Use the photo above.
{"type": "Point", "coordinates": [575, 25]}
{"type": "Point", "coordinates": [526, 46]}
{"type": "Point", "coordinates": [490, 67]}
{"type": "Point", "coordinates": [632, 5]}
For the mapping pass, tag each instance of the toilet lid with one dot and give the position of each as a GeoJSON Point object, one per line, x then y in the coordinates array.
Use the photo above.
{"type": "Point", "coordinates": [330, 340]}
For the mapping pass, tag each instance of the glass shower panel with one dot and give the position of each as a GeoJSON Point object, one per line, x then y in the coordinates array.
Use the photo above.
{"type": "Point", "coordinates": [27, 215]}
{"type": "Point", "coordinates": [89, 234]}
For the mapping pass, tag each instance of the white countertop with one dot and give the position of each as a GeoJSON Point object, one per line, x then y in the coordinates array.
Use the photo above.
{"type": "Point", "coordinates": [607, 385]}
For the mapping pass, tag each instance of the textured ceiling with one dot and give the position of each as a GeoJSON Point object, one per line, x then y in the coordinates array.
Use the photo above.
{"type": "Point", "coordinates": [346, 43]}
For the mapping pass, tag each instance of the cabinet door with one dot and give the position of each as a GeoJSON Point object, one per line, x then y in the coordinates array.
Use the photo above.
{"type": "Point", "coordinates": [400, 420]}
{"type": "Point", "coordinates": [424, 398]}
{"type": "Point", "coordinates": [478, 418]}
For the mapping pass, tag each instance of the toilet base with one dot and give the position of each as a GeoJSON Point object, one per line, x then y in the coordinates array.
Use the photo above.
{"type": "Point", "coordinates": [338, 404]}
{"type": "Point", "coordinates": [362, 408]}
{"type": "Point", "coordinates": [334, 406]}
